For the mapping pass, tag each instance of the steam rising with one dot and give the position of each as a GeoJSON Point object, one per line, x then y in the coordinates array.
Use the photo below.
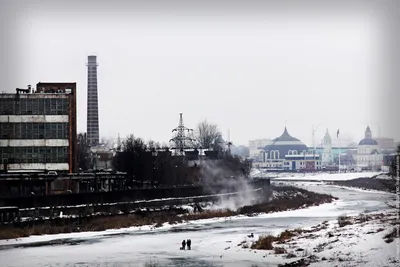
{"type": "Point", "coordinates": [219, 178]}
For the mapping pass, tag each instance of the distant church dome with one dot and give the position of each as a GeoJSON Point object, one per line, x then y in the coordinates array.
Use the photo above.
{"type": "Point", "coordinates": [368, 141]}
{"type": "Point", "coordinates": [285, 145]}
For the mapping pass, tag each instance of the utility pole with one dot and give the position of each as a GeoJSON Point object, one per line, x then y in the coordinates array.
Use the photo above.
{"type": "Point", "coordinates": [229, 143]}
{"type": "Point", "coordinates": [119, 143]}
{"type": "Point", "coordinates": [339, 148]}
{"type": "Point", "coordinates": [313, 141]}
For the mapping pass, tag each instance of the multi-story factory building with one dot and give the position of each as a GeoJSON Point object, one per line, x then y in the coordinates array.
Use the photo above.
{"type": "Point", "coordinates": [38, 128]}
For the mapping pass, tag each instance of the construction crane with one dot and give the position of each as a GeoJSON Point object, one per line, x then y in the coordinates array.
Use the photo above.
{"type": "Point", "coordinates": [181, 139]}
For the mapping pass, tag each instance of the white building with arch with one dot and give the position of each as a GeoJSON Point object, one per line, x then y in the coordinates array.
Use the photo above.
{"type": "Point", "coordinates": [287, 153]}
{"type": "Point", "coordinates": [369, 155]}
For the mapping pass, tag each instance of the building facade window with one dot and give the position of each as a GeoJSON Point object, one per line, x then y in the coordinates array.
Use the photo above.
{"type": "Point", "coordinates": [23, 155]}
{"type": "Point", "coordinates": [274, 154]}
{"type": "Point", "coordinates": [34, 130]}
{"type": "Point", "coordinates": [34, 106]}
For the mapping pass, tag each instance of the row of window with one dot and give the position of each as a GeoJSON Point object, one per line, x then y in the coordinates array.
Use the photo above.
{"type": "Point", "coordinates": [15, 155]}
{"type": "Point", "coordinates": [376, 157]}
{"type": "Point", "coordinates": [274, 154]}
{"type": "Point", "coordinates": [34, 106]}
{"type": "Point", "coordinates": [302, 163]}
{"type": "Point", "coordinates": [34, 130]}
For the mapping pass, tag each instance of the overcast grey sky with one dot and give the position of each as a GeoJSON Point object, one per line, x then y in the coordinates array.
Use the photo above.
{"type": "Point", "coordinates": [246, 67]}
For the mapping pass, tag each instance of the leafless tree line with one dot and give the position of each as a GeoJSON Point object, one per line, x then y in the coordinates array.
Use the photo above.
{"type": "Point", "coordinates": [153, 163]}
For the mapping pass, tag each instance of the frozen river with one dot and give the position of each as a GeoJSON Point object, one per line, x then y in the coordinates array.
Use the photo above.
{"type": "Point", "coordinates": [214, 242]}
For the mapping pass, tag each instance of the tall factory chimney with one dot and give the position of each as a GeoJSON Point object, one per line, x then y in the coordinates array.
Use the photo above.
{"type": "Point", "coordinates": [92, 103]}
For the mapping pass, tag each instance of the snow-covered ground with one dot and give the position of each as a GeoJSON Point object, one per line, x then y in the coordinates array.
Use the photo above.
{"type": "Point", "coordinates": [384, 176]}
{"type": "Point", "coordinates": [361, 243]}
{"type": "Point", "coordinates": [325, 176]}
{"type": "Point", "coordinates": [214, 241]}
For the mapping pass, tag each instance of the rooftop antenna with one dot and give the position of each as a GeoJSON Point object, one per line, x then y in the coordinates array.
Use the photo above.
{"type": "Point", "coordinates": [314, 129]}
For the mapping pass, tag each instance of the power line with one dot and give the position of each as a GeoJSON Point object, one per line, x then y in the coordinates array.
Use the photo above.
{"type": "Point", "coordinates": [181, 139]}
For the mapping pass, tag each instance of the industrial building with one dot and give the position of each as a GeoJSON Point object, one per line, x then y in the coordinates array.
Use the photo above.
{"type": "Point", "coordinates": [38, 129]}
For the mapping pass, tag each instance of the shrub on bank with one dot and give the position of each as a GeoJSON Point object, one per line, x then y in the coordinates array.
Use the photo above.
{"type": "Point", "coordinates": [343, 221]}
{"type": "Point", "coordinates": [151, 264]}
{"type": "Point", "coordinates": [279, 250]}
{"type": "Point", "coordinates": [264, 242]}
{"type": "Point", "coordinates": [208, 214]}
{"type": "Point", "coordinates": [285, 235]}
{"type": "Point", "coordinates": [389, 238]}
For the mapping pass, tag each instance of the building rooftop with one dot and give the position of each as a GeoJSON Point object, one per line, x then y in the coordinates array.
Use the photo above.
{"type": "Point", "coordinates": [368, 142]}
{"type": "Point", "coordinates": [285, 137]}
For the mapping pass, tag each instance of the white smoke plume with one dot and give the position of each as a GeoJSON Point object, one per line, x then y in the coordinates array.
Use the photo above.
{"type": "Point", "coordinates": [219, 178]}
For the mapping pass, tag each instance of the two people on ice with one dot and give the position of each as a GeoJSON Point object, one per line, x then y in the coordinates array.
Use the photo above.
{"type": "Point", "coordinates": [187, 243]}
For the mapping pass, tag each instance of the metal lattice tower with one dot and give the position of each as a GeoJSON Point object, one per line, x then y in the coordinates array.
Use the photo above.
{"type": "Point", "coordinates": [92, 103]}
{"type": "Point", "coordinates": [181, 139]}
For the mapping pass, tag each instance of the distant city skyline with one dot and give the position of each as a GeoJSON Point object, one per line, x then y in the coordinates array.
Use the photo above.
{"type": "Point", "coordinates": [344, 140]}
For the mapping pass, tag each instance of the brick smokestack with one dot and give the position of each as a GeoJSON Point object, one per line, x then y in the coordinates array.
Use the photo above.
{"type": "Point", "coordinates": [92, 102]}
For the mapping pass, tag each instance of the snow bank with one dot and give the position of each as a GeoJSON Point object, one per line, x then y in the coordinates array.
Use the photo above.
{"type": "Point", "coordinates": [362, 243]}
{"type": "Point", "coordinates": [326, 176]}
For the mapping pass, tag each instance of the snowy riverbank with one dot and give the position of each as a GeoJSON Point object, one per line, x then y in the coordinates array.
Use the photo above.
{"type": "Point", "coordinates": [348, 241]}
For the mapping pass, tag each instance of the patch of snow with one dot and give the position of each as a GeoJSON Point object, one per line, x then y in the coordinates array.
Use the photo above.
{"type": "Point", "coordinates": [362, 190]}
{"type": "Point", "coordinates": [384, 177]}
{"type": "Point", "coordinates": [326, 176]}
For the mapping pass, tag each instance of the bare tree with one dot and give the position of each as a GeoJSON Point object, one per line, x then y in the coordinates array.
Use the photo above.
{"type": "Point", "coordinates": [83, 152]}
{"type": "Point", "coordinates": [153, 146]}
{"type": "Point", "coordinates": [208, 135]}
{"type": "Point", "coordinates": [133, 158]}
